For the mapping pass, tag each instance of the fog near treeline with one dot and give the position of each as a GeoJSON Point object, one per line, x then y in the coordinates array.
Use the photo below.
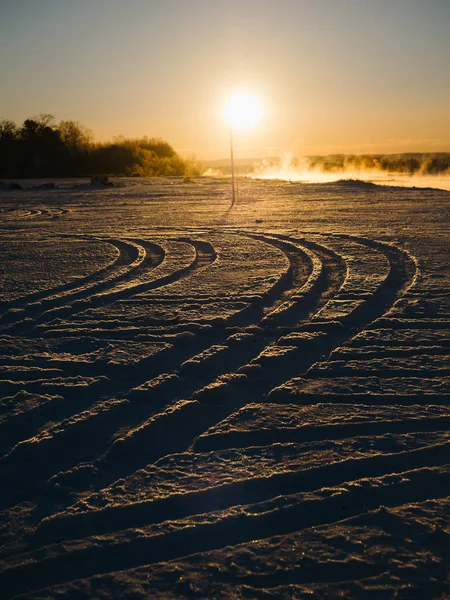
{"type": "Point", "coordinates": [419, 169]}
{"type": "Point", "coordinates": [407, 163]}
{"type": "Point", "coordinates": [40, 147]}
{"type": "Point", "coordinates": [417, 163]}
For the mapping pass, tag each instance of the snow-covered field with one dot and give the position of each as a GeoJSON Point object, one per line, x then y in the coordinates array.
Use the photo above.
{"type": "Point", "coordinates": [205, 402]}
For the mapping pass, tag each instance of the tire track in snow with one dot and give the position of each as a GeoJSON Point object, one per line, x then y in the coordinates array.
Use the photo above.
{"type": "Point", "coordinates": [308, 433]}
{"type": "Point", "coordinates": [203, 257]}
{"type": "Point", "coordinates": [246, 491]}
{"type": "Point", "coordinates": [210, 406]}
{"type": "Point", "coordinates": [131, 255]}
{"type": "Point", "coordinates": [220, 399]}
{"type": "Point", "coordinates": [219, 528]}
{"type": "Point", "coordinates": [144, 434]}
{"type": "Point", "coordinates": [123, 258]}
{"type": "Point", "coordinates": [104, 422]}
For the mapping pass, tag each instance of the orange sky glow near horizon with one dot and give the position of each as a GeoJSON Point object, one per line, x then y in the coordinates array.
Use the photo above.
{"type": "Point", "coordinates": [331, 76]}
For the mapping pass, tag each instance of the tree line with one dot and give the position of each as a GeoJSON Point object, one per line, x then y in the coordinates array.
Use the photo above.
{"type": "Point", "coordinates": [419, 163]}
{"type": "Point", "coordinates": [41, 148]}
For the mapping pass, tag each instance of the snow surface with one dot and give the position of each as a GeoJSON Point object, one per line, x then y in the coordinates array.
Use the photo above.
{"type": "Point", "coordinates": [206, 401]}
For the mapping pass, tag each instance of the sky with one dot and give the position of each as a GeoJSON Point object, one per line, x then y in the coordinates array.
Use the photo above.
{"type": "Point", "coordinates": [333, 76]}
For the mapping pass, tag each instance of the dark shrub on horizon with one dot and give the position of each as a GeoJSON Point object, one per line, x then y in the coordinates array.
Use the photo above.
{"type": "Point", "coordinates": [40, 148]}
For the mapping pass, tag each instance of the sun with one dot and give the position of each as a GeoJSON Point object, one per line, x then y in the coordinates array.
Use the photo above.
{"type": "Point", "coordinates": [243, 111]}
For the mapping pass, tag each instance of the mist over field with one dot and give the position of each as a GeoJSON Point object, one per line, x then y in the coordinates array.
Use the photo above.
{"type": "Point", "coordinates": [409, 169]}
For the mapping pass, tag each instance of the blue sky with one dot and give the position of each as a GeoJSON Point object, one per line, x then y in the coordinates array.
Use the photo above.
{"type": "Point", "coordinates": [333, 75]}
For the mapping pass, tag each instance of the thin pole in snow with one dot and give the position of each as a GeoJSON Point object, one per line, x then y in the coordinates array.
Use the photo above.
{"type": "Point", "coordinates": [232, 170]}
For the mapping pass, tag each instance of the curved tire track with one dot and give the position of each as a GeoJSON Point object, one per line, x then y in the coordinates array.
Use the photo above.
{"type": "Point", "coordinates": [286, 345]}
{"type": "Point", "coordinates": [129, 257]}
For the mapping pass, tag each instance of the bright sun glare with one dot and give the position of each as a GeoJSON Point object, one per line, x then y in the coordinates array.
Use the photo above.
{"type": "Point", "coordinates": [243, 111]}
